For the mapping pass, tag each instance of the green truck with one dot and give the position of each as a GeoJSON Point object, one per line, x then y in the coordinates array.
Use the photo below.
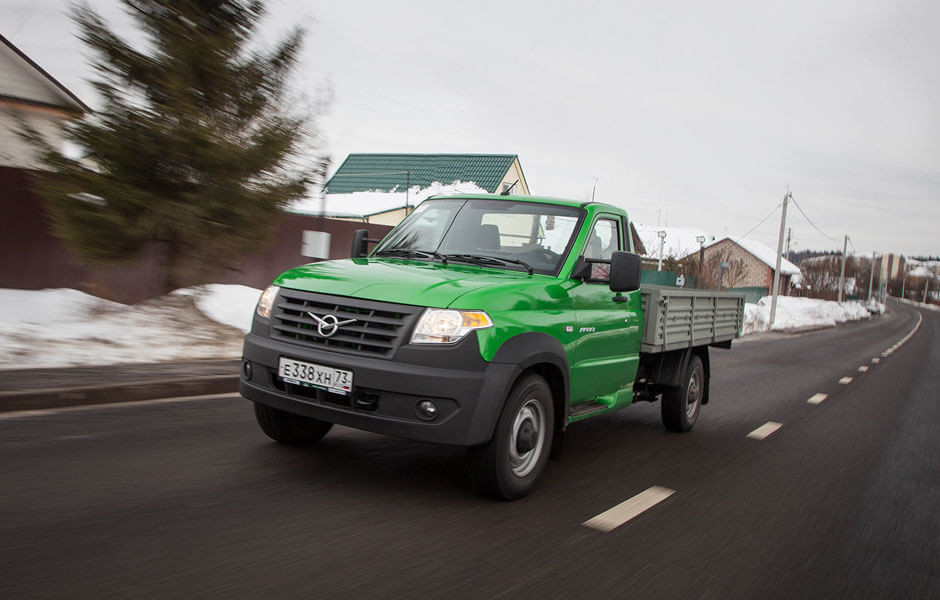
{"type": "Point", "coordinates": [486, 322]}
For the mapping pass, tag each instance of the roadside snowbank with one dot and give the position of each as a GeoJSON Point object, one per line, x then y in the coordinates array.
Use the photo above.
{"type": "Point", "coordinates": [64, 327]}
{"type": "Point", "coordinates": [799, 313]}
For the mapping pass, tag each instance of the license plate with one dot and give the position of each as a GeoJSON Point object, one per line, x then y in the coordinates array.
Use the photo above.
{"type": "Point", "coordinates": [308, 374]}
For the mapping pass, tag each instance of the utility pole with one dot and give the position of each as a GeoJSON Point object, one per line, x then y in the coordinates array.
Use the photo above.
{"type": "Point", "coordinates": [701, 257]}
{"type": "Point", "coordinates": [776, 288]}
{"type": "Point", "coordinates": [926, 287]}
{"type": "Point", "coordinates": [789, 233]}
{"type": "Point", "coordinates": [662, 242]}
{"type": "Point", "coordinates": [871, 278]}
{"type": "Point", "coordinates": [903, 278]}
{"type": "Point", "coordinates": [845, 246]}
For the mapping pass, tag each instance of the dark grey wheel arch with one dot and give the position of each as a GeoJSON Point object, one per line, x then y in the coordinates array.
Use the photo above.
{"type": "Point", "coordinates": [542, 354]}
{"type": "Point", "coordinates": [527, 352]}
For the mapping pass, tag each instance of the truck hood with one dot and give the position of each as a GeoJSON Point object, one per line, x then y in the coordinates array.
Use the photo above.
{"type": "Point", "coordinates": [399, 281]}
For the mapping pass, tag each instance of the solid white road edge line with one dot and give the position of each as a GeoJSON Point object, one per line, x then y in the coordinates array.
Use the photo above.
{"type": "Point", "coordinates": [845, 380]}
{"type": "Point", "coordinates": [67, 409]}
{"type": "Point", "coordinates": [764, 430]}
{"type": "Point", "coordinates": [903, 340]}
{"type": "Point", "coordinates": [623, 512]}
{"type": "Point", "coordinates": [817, 398]}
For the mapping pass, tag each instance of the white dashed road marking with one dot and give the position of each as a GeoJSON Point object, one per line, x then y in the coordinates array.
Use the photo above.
{"type": "Point", "coordinates": [876, 360]}
{"type": "Point", "coordinates": [764, 430]}
{"type": "Point", "coordinates": [862, 369]}
{"type": "Point", "coordinates": [817, 398]}
{"type": "Point", "coordinates": [845, 380]}
{"type": "Point", "coordinates": [623, 512]}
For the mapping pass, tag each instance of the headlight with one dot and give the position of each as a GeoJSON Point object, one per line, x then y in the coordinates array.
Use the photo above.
{"type": "Point", "coordinates": [444, 326]}
{"type": "Point", "coordinates": [267, 302]}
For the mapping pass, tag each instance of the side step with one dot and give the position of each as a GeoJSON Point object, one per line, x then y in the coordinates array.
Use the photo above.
{"type": "Point", "coordinates": [586, 408]}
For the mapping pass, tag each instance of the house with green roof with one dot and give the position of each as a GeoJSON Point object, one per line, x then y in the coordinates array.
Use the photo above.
{"type": "Point", "coordinates": [383, 188]}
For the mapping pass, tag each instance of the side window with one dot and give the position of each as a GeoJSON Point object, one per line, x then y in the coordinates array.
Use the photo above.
{"type": "Point", "coordinates": [604, 240]}
{"type": "Point", "coordinates": [602, 243]}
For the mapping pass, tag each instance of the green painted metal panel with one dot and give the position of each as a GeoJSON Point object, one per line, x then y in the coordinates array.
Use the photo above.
{"type": "Point", "coordinates": [658, 278]}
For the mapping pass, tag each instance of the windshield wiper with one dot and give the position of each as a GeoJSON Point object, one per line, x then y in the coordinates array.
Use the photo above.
{"type": "Point", "coordinates": [409, 252]}
{"type": "Point", "coordinates": [482, 259]}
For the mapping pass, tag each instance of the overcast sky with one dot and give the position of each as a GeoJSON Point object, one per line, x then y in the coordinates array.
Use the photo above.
{"type": "Point", "coordinates": [691, 114]}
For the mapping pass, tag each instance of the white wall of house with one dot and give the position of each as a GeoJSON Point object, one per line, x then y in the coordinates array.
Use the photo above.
{"type": "Point", "coordinates": [30, 96]}
{"type": "Point", "coordinates": [16, 152]}
{"type": "Point", "coordinates": [513, 175]}
{"type": "Point", "coordinates": [18, 79]}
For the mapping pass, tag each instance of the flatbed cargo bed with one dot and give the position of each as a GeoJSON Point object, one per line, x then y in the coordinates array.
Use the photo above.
{"type": "Point", "coordinates": [676, 318]}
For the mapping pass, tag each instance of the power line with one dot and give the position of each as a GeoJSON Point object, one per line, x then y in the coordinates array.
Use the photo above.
{"type": "Point", "coordinates": [810, 221]}
{"type": "Point", "coordinates": [761, 221]}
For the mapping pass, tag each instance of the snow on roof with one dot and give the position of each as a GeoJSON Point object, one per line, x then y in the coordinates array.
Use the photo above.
{"type": "Point", "coordinates": [679, 241]}
{"type": "Point", "coordinates": [364, 204]}
{"type": "Point", "coordinates": [921, 271]}
{"type": "Point", "coordinates": [763, 253]}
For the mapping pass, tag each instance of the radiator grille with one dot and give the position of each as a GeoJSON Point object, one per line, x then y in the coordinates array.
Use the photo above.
{"type": "Point", "coordinates": [378, 330]}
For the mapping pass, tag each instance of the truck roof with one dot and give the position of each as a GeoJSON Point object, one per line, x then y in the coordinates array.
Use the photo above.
{"type": "Point", "coordinates": [534, 200]}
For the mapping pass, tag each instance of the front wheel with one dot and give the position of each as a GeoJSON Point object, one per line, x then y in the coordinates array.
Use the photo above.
{"type": "Point", "coordinates": [681, 405]}
{"type": "Point", "coordinates": [511, 463]}
{"type": "Point", "coordinates": [290, 429]}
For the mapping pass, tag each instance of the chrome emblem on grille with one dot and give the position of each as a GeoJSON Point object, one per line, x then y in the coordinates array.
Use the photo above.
{"type": "Point", "coordinates": [329, 324]}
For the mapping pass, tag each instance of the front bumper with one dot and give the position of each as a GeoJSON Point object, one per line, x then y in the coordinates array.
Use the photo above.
{"type": "Point", "coordinates": [467, 390]}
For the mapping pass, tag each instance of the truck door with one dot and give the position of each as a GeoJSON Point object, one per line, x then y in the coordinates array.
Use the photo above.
{"type": "Point", "coordinates": [607, 329]}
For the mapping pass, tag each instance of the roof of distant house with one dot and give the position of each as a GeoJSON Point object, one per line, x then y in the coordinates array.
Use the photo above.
{"type": "Point", "coordinates": [65, 98]}
{"type": "Point", "coordinates": [397, 172]}
{"type": "Point", "coordinates": [763, 253]}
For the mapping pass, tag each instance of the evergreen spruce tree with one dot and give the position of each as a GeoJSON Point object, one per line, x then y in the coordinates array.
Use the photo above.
{"type": "Point", "coordinates": [195, 146]}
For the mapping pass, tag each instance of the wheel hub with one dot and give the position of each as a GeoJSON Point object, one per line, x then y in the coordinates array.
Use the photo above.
{"type": "Point", "coordinates": [526, 439]}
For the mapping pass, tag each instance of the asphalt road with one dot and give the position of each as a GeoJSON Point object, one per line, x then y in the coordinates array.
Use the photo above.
{"type": "Point", "coordinates": [189, 499]}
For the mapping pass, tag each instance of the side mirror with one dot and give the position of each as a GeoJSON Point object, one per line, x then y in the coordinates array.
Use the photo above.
{"type": "Point", "coordinates": [360, 243]}
{"type": "Point", "coordinates": [625, 269]}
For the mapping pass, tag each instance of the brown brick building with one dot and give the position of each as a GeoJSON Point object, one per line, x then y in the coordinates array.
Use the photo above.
{"type": "Point", "coordinates": [758, 262]}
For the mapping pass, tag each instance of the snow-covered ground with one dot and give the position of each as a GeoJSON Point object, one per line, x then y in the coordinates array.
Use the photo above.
{"type": "Point", "coordinates": [63, 327]}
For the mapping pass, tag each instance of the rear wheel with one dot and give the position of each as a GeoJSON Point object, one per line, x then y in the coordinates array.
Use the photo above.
{"type": "Point", "coordinates": [511, 463]}
{"type": "Point", "coordinates": [288, 428]}
{"type": "Point", "coordinates": [681, 405]}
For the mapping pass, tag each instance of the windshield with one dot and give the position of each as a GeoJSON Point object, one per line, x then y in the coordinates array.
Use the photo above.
{"type": "Point", "coordinates": [496, 233]}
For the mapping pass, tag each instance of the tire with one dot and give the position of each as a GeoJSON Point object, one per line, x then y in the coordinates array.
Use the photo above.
{"type": "Point", "coordinates": [288, 428]}
{"type": "Point", "coordinates": [681, 405]}
{"type": "Point", "coordinates": [509, 466]}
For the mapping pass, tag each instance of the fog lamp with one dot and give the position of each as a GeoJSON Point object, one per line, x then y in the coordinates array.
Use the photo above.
{"type": "Point", "coordinates": [427, 410]}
